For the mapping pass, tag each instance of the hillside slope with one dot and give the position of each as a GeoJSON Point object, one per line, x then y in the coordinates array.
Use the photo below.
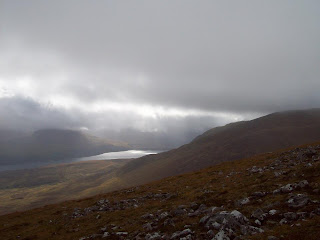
{"type": "Point", "coordinates": [30, 188]}
{"type": "Point", "coordinates": [233, 141]}
{"type": "Point", "coordinates": [270, 196]}
{"type": "Point", "coordinates": [217, 145]}
{"type": "Point", "coordinates": [55, 144]}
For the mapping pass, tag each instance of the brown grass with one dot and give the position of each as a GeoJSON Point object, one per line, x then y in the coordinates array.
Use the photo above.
{"type": "Point", "coordinates": [54, 222]}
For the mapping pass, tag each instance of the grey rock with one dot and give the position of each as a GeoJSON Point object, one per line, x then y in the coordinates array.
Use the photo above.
{"type": "Point", "coordinates": [148, 227]}
{"type": "Point", "coordinates": [298, 201]}
{"type": "Point", "coordinates": [303, 184]}
{"type": "Point", "coordinates": [283, 221]}
{"type": "Point", "coordinates": [121, 233]}
{"type": "Point", "coordinates": [180, 234]}
{"type": "Point", "coordinates": [257, 222]}
{"type": "Point", "coordinates": [93, 236]}
{"type": "Point", "coordinates": [179, 211]}
{"type": "Point", "coordinates": [258, 214]}
{"type": "Point", "coordinates": [287, 188]}
{"type": "Point", "coordinates": [254, 230]}
{"type": "Point", "coordinates": [277, 174]}
{"type": "Point", "coordinates": [168, 222]}
{"type": "Point", "coordinates": [244, 201]}
{"type": "Point", "coordinates": [204, 219]}
{"type": "Point", "coordinates": [164, 215]}
{"type": "Point", "coordinates": [194, 206]}
{"type": "Point", "coordinates": [105, 235]}
{"type": "Point", "coordinates": [221, 235]}
{"type": "Point", "coordinates": [216, 225]}
{"type": "Point", "coordinates": [147, 216]}
{"type": "Point", "coordinates": [273, 212]}
{"type": "Point", "coordinates": [188, 237]}
{"type": "Point", "coordinates": [210, 233]}
{"type": "Point", "coordinates": [258, 194]}
{"type": "Point", "coordinates": [302, 215]}
{"type": "Point", "coordinates": [290, 216]}
{"type": "Point", "coordinates": [317, 211]}
{"type": "Point", "coordinates": [276, 191]}
{"type": "Point", "coordinates": [154, 236]}
{"type": "Point", "coordinates": [272, 238]}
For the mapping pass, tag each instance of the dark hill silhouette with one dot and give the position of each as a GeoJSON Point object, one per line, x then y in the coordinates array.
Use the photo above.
{"type": "Point", "coordinates": [55, 144]}
{"type": "Point", "coordinates": [233, 141]}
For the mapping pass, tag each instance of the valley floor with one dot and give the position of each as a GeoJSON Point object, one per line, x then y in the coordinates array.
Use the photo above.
{"type": "Point", "coordinates": [25, 189]}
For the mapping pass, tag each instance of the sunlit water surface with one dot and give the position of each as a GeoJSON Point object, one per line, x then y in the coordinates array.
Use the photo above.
{"type": "Point", "coordinates": [104, 156]}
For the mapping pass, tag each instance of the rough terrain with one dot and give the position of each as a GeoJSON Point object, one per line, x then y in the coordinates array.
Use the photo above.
{"type": "Point", "coordinates": [270, 196]}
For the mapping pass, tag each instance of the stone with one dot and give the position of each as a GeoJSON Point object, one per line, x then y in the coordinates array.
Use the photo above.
{"type": "Point", "coordinates": [258, 194]}
{"type": "Point", "coordinates": [302, 215]}
{"type": "Point", "coordinates": [283, 221]}
{"type": "Point", "coordinates": [259, 214]}
{"type": "Point", "coordinates": [148, 227]}
{"type": "Point", "coordinates": [181, 234]}
{"type": "Point", "coordinates": [272, 212]}
{"type": "Point", "coordinates": [317, 211]}
{"type": "Point", "coordinates": [244, 201]}
{"type": "Point", "coordinates": [290, 216]}
{"type": "Point", "coordinates": [154, 236]}
{"type": "Point", "coordinates": [303, 183]}
{"type": "Point", "coordinates": [216, 225]}
{"type": "Point", "coordinates": [122, 233]}
{"type": "Point", "coordinates": [272, 238]}
{"type": "Point", "coordinates": [178, 211]}
{"type": "Point", "coordinates": [239, 216]}
{"type": "Point", "coordinates": [298, 201]}
{"type": "Point", "coordinates": [168, 222]}
{"type": "Point", "coordinates": [287, 188]}
{"type": "Point", "coordinates": [221, 235]}
{"type": "Point", "coordinates": [163, 215]}
{"type": "Point", "coordinates": [147, 216]}
{"type": "Point", "coordinates": [210, 233]}
{"type": "Point", "coordinates": [105, 235]}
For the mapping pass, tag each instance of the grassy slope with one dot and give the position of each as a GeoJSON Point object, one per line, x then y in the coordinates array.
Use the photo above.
{"type": "Point", "coordinates": [233, 141]}
{"type": "Point", "coordinates": [25, 189]}
{"type": "Point", "coordinates": [206, 186]}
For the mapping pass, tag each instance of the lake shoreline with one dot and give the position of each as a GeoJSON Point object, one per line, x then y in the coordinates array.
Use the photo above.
{"type": "Point", "coordinates": [109, 156]}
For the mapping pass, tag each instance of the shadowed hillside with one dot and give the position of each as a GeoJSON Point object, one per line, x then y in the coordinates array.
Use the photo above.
{"type": "Point", "coordinates": [267, 197]}
{"type": "Point", "coordinates": [233, 141]}
{"type": "Point", "coordinates": [55, 144]}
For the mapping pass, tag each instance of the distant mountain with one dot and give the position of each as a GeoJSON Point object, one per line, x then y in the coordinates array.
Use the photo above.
{"type": "Point", "coordinates": [55, 144]}
{"type": "Point", "coordinates": [233, 141]}
{"type": "Point", "coordinates": [158, 140]}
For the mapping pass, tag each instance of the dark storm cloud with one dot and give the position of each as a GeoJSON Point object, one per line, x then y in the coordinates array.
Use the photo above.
{"type": "Point", "coordinates": [213, 56]}
{"type": "Point", "coordinates": [25, 114]}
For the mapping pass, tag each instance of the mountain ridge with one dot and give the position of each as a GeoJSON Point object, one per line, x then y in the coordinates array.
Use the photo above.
{"type": "Point", "coordinates": [232, 141]}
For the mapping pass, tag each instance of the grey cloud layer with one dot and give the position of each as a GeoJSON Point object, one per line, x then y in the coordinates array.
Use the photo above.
{"type": "Point", "coordinates": [236, 56]}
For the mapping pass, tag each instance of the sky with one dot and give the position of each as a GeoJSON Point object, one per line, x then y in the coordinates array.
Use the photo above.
{"type": "Point", "coordinates": [155, 65]}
